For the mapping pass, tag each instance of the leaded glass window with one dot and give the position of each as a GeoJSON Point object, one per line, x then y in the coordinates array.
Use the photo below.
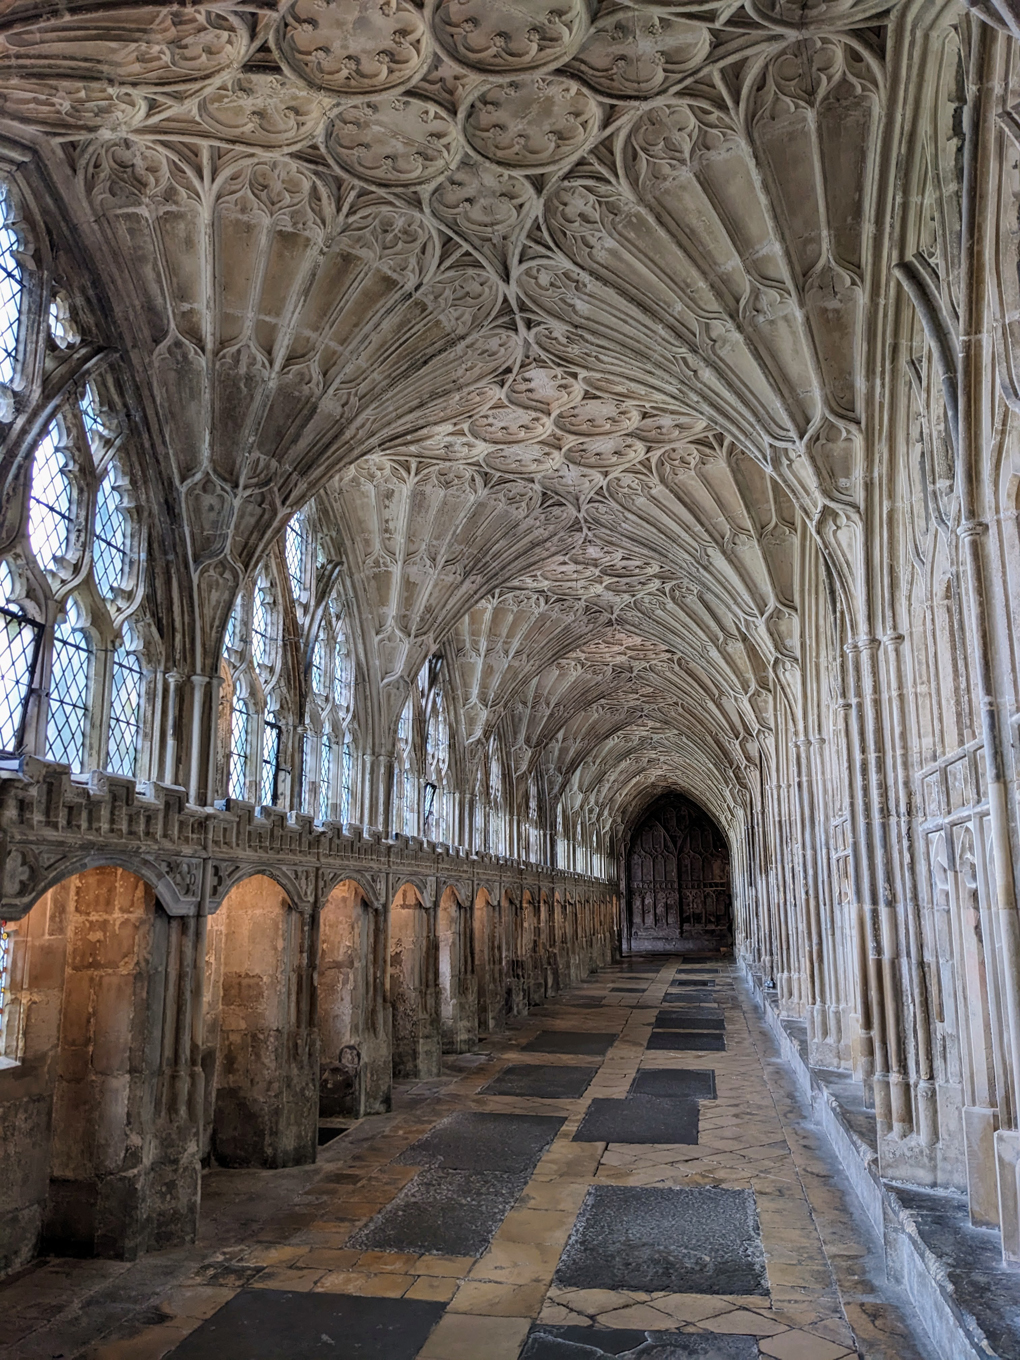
{"type": "Point", "coordinates": [343, 677]}
{"type": "Point", "coordinates": [346, 782]}
{"type": "Point", "coordinates": [295, 551]}
{"type": "Point", "coordinates": [240, 720]}
{"type": "Point", "coordinates": [110, 538]}
{"type": "Point", "coordinates": [50, 507]}
{"type": "Point", "coordinates": [234, 632]}
{"type": "Point", "coordinates": [125, 736]}
{"type": "Point", "coordinates": [270, 764]}
{"type": "Point", "coordinates": [61, 322]}
{"type": "Point", "coordinates": [319, 665]}
{"type": "Point", "coordinates": [70, 677]}
{"type": "Point", "coordinates": [325, 777]}
{"type": "Point", "coordinates": [261, 625]}
{"type": "Point", "coordinates": [92, 418]}
{"type": "Point", "coordinates": [10, 288]}
{"type": "Point", "coordinates": [19, 650]}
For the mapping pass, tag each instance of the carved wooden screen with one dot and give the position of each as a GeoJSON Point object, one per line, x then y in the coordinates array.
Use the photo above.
{"type": "Point", "coordinates": [678, 875]}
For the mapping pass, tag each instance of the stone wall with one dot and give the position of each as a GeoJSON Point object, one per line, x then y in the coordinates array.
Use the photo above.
{"type": "Point", "coordinates": [141, 1045]}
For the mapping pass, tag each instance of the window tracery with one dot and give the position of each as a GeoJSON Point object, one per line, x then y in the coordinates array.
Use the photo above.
{"type": "Point", "coordinates": [69, 583]}
{"type": "Point", "coordinates": [252, 664]}
{"type": "Point", "coordinates": [11, 288]}
{"type": "Point", "coordinates": [287, 731]}
{"type": "Point", "coordinates": [330, 713]}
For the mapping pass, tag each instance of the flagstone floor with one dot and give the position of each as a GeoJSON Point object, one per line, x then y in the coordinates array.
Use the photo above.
{"type": "Point", "coordinates": [627, 1172]}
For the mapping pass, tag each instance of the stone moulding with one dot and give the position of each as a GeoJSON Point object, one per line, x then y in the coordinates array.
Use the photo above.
{"type": "Point", "coordinates": [53, 824]}
{"type": "Point", "coordinates": [952, 1331]}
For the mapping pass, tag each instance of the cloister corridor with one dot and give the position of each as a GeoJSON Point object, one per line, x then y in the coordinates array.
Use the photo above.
{"type": "Point", "coordinates": [629, 1170]}
{"type": "Point", "coordinates": [509, 679]}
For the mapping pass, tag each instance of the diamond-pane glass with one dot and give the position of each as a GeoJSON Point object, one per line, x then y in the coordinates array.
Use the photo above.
{"type": "Point", "coordinates": [270, 761]}
{"type": "Point", "coordinates": [69, 686]}
{"type": "Point", "coordinates": [49, 508]}
{"type": "Point", "coordinates": [307, 772]}
{"type": "Point", "coordinates": [233, 638]}
{"type": "Point", "coordinates": [125, 714]}
{"type": "Point", "coordinates": [294, 550]}
{"type": "Point", "coordinates": [239, 720]}
{"type": "Point", "coordinates": [109, 544]}
{"type": "Point", "coordinates": [325, 777]}
{"type": "Point", "coordinates": [405, 725]}
{"type": "Point", "coordinates": [18, 637]}
{"type": "Point", "coordinates": [319, 665]}
{"type": "Point", "coordinates": [346, 782]}
{"type": "Point", "coordinates": [92, 416]}
{"type": "Point", "coordinates": [260, 624]}
{"type": "Point", "coordinates": [10, 289]}
{"type": "Point", "coordinates": [342, 676]}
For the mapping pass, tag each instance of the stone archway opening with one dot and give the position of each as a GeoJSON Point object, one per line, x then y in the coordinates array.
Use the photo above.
{"type": "Point", "coordinates": [679, 898]}
{"type": "Point", "coordinates": [100, 1156]}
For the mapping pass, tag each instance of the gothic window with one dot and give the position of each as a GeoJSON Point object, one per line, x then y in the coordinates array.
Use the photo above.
{"type": "Point", "coordinates": [534, 833]}
{"type": "Point", "coordinates": [296, 555]}
{"type": "Point", "coordinates": [51, 502]}
{"type": "Point", "coordinates": [478, 817]}
{"type": "Point", "coordinates": [71, 667]}
{"type": "Point", "coordinates": [240, 723]}
{"type": "Point", "coordinates": [405, 782]}
{"type": "Point", "coordinates": [319, 666]}
{"type": "Point", "coordinates": [325, 777]}
{"type": "Point", "coordinates": [270, 764]}
{"type": "Point", "coordinates": [497, 810]}
{"type": "Point", "coordinates": [330, 718]}
{"type": "Point", "coordinates": [261, 624]}
{"type": "Point", "coordinates": [346, 782]}
{"type": "Point", "coordinates": [437, 754]}
{"type": "Point", "coordinates": [19, 650]}
{"type": "Point", "coordinates": [79, 532]}
{"type": "Point", "coordinates": [11, 287]}
{"type": "Point", "coordinates": [110, 538]}
{"type": "Point", "coordinates": [125, 713]}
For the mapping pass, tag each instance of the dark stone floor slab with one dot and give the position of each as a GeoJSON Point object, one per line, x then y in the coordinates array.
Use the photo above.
{"type": "Point", "coordinates": [536, 1079]}
{"type": "Point", "coordinates": [667, 1081]}
{"type": "Point", "coordinates": [690, 998]}
{"type": "Point", "coordinates": [579, 1042]}
{"type": "Point", "coordinates": [639, 1119]}
{"type": "Point", "coordinates": [267, 1324]}
{"type": "Point", "coordinates": [672, 1041]}
{"type": "Point", "coordinates": [546, 1342]}
{"type": "Point", "coordinates": [696, 1240]}
{"type": "Point", "coordinates": [692, 982]}
{"type": "Point", "coordinates": [443, 1213]}
{"type": "Point", "coordinates": [682, 1020]}
{"type": "Point", "coordinates": [473, 1141]}
{"type": "Point", "coordinates": [633, 991]}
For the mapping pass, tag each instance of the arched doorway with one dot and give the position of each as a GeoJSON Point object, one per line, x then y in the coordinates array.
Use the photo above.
{"type": "Point", "coordinates": [678, 880]}
{"type": "Point", "coordinates": [99, 1146]}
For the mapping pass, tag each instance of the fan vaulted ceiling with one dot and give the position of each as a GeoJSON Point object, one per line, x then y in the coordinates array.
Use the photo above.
{"type": "Point", "coordinates": [558, 306]}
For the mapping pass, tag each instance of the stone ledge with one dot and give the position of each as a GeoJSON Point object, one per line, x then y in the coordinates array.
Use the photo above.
{"type": "Point", "coordinates": [952, 1331]}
